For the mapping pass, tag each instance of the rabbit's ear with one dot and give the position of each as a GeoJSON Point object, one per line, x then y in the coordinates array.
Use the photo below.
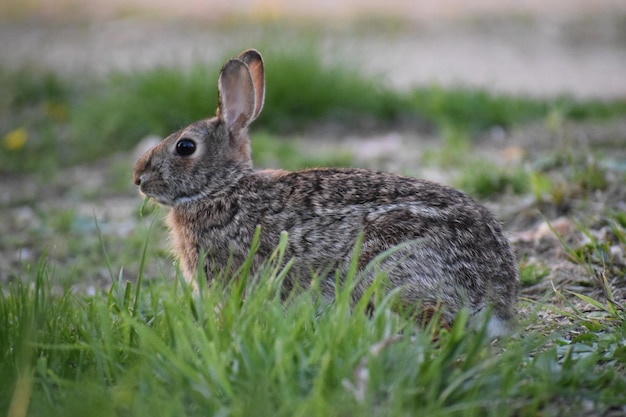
{"type": "Point", "coordinates": [237, 99]}
{"type": "Point", "coordinates": [254, 61]}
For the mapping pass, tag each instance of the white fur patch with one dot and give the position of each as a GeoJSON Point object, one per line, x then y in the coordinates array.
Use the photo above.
{"type": "Point", "coordinates": [495, 326]}
{"type": "Point", "coordinates": [189, 199]}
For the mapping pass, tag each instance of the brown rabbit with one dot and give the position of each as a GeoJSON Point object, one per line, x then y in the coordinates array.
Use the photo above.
{"type": "Point", "coordinates": [454, 254]}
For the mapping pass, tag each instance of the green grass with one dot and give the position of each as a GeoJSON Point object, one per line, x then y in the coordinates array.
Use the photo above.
{"type": "Point", "coordinates": [159, 348]}
{"type": "Point", "coordinates": [532, 273]}
{"type": "Point", "coordinates": [483, 179]}
{"type": "Point", "coordinates": [472, 110]}
{"type": "Point", "coordinates": [561, 176]}
{"type": "Point", "coordinates": [67, 122]}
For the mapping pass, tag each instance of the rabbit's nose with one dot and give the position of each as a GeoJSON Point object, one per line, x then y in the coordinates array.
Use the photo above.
{"type": "Point", "coordinates": [140, 178]}
{"type": "Point", "coordinates": [139, 173]}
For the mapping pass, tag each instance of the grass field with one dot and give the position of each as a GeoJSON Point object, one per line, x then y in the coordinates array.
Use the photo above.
{"type": "Point", "coordinates": [141, 342]}
{"type": "Point", "coordinates": [158, 348]}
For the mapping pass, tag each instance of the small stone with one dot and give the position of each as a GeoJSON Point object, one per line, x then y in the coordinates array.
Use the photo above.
{"type": "Point", "coordinates": [558, 228]}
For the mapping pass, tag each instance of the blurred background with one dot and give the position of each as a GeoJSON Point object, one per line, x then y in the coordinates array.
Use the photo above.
{"type": "Point", "coordinates": [522, 104]}
{"type": "Point", "coordinates": [534, 47]}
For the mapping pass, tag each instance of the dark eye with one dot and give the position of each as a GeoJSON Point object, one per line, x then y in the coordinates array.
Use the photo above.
{"type": "Point", "coordinates": [185, 147]}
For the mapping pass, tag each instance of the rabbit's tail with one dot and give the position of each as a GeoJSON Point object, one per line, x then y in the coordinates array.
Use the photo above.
{"type": "Point", "coordinates": [498, 327]}
{"type": "Point", "coordinates": [497, 323]}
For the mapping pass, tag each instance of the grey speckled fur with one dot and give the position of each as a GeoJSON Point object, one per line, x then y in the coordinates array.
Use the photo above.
{"type": "Point", "coordinates": [456, 257]}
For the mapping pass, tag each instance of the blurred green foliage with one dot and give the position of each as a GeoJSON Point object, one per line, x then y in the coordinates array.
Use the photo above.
{"type": "Point", "coordinates": [483, 179]}
{"type": "Point", "coordinates": [47, 121]}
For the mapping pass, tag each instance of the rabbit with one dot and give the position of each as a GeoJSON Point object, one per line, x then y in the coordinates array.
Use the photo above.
{"type": "Point", "coordinates": [452, 252]}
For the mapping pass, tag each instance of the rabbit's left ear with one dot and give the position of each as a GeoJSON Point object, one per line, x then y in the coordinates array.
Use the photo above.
{"type": "Point", "coordinates": [237, 97]}
{"type": "Point", "coordinates": [253, 59]}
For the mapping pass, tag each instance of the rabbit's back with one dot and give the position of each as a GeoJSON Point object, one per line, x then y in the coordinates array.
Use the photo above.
{"type": "Point", "coordinates": [457, 253]}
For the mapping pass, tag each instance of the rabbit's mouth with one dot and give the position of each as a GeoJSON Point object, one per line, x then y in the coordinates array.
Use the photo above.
{"type": "Point", "coordinates": [162, 200]}
{"type": "Point", "coordinates": [170, 201]}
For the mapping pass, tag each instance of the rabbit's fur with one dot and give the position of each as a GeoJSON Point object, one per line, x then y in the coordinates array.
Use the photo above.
{"type": "Point", "coordinates": [454, 254]}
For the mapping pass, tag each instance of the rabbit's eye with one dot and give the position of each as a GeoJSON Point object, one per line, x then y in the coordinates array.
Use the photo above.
{"type": "Point", "coordinates": [185, 147]}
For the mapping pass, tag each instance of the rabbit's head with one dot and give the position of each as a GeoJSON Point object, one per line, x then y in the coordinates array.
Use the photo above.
{"type": "Point", "coordinates": [208, 155]}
